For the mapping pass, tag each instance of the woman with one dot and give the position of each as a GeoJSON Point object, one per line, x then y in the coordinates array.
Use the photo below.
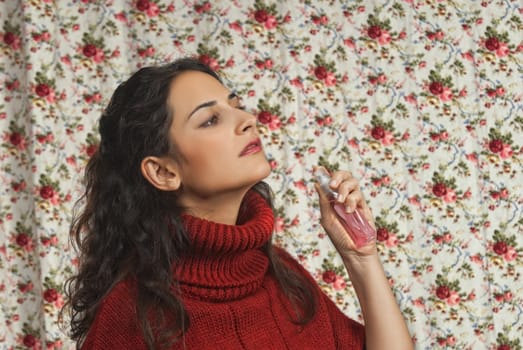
{"type": "Point", "coordinates": [175, 237]}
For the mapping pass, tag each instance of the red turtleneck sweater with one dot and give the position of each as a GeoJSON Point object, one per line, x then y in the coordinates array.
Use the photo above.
{"type": "Point", "coordinates": [232, 298]}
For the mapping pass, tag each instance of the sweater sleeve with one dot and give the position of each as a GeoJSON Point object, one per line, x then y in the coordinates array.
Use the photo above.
{"type": "Point", "coordinates": [345, 330]}
{"type": "Point", "coordinates": [115, 325]}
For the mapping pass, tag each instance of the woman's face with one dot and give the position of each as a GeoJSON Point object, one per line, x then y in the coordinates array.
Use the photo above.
{"type": "Point", "coordinates": [220, 152]}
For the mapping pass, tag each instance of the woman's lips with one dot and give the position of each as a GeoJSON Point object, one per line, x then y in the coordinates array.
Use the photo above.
{"type": "Point", "coordinates": [251, 148]}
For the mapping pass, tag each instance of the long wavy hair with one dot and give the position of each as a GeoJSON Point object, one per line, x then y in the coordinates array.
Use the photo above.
{"type": "Point", "coordinates": [127, 228]}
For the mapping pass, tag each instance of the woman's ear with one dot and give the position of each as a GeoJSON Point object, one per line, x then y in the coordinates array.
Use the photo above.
{"type": "Point", "coordinates": [161, 172]}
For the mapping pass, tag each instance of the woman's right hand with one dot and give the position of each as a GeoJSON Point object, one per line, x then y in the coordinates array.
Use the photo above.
{"type": "Point", "coordinates": [351, 198]}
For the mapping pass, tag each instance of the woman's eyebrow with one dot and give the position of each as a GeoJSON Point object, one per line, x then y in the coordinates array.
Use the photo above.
{"type": "Point", "coordinates": [231, 96]}
{"type": "Point", "coordinates": [203, 105]}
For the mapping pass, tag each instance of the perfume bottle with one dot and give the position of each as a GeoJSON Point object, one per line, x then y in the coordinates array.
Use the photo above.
{"type": "Point", "coordinates": [359, 230]}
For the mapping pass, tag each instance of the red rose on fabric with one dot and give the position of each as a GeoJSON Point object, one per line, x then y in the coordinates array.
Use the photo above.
{"type": "Point", "coordinates": [50, 295]}
{"type": "Point", "coordinates": [143, 5]}
{"type": "Point", "coordinates": [329, 276]}
{"type": "Point", "coordinates": [15, 138]}
{"type": "Point", "coordinates": [22, 239]}
{"type": "Point", "coordinates": [89, 50]}
{"type": "Point", "coordinates": [436, 87]}
{"type": "Point", "coordinates": [46, 192]}
{"type": "Point", "coordinates": [29, 340]}
{"type": "Point", "coordinates": [205, 59]}
{"type": "Point", "coordinates": [492, 44]}
{"type": "Point", "coordinates": [261, 16]}
{"type": "Point", "coordinates": [378, 132]}
{"type": "Point", "coordinates": [320, 72]}
{"type": "Point", "coordinates": [91, 149]}
{"type": "Point", "coordinates": [504, 347]}
{"type": "Point", "coordinates": [443, 292]}
{"type": "Point", "coordinates": [42, 90]}
{"type": "Point", "coordinates": [495, 146]}
{"type": "Point", "coordinates": [382, 234]}
{"type": "Point", "coordinates": [265, 117]}
{"type": "Point", "coordinates": [9, 38]}
{"type": "Point", "coordinates": [439, 190]}
{"type": "Point", "coordinates": [205, 7]}
{"type": "Point", "coordinates": [374, 32]}
{"type": "Point", "coordinates": [500, 248]}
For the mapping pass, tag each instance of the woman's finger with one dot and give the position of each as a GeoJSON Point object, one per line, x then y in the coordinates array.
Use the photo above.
{"type": "Point", "coordinates": [345, 188]}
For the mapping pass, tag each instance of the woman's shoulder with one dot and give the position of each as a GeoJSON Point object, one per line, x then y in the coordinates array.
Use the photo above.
{"type": "Point", "coordinates": [115, 325]}
{"type": "Point", "coordinates": [120, 299]}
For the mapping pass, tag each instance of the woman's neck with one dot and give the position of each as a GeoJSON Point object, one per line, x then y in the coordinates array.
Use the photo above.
{"type": "Point", "coordinates": [221, 208]}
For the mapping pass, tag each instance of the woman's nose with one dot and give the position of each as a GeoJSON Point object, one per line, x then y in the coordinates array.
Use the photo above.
{"type": "Point", "coordinates": [246, 122]}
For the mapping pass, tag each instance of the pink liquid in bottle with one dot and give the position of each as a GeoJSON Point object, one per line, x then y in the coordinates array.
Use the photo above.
{"type": "Point", "coordinates": [359, 230]}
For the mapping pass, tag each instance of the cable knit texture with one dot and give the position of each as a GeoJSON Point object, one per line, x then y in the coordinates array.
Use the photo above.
{"type": "Point", "coordinates": [231, 296]}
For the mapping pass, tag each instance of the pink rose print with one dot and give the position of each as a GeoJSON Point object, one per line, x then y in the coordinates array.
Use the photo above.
{"type": "Point", "coordinates": [202, 8]}
{"type": "Point", "coordinates": [384, 38]}
{"type": "Point", "coordinates": [447, 292]}
{"type": "Point", "coordinates": [379, 33]}
{"type": "Point", "coordinates": [500, 48]}
{"type": "Point", "coordinates": [263, 17]}
{"type": "Point", "coordinates": [93, 52]}
{"type": "Point", "coordinates": [443, 92]}
{"type": "Point", "coordinates": [506, 152]}
{"type": "Point", "coordinates": [496, 42]}
{"type": "Point", "coordinates": [12, 40]}
{"type": "Point", "coordinates": [339, 283]}
{"type": "Point", "coordinates": [210, 61]}
{"type": "Point", "coordinates": [450, 196]}
{"type": "Point", "coordinates": [323, 74]}
{"type": "Point", "coordinates": [150, 8]}
{"type": "Point", "coordinates": [500, 143]}
{"type": "Point", "coordinates": [511, 254]}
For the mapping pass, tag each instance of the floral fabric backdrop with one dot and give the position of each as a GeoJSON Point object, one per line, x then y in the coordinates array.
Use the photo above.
{"type": "Point", "coordinates": [422, 100]}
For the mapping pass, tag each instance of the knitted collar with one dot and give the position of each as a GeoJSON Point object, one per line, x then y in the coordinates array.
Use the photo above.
{"type": "Point", "coordinates": [226, 262]}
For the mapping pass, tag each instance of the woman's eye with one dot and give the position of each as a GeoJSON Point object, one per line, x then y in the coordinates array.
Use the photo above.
{"type": "Point", "coordinates": [209, 122]}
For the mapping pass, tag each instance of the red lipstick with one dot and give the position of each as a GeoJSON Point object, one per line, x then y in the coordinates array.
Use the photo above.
{"type": "Point", "coordinates": [251, 148]}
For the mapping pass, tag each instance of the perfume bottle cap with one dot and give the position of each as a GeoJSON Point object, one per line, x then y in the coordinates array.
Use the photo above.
{"type": "Point", "coordinates": [323, 178]}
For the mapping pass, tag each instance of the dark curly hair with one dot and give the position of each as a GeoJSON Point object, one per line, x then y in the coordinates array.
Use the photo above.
{"type": "Point", "coordinates": [127, 228]}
